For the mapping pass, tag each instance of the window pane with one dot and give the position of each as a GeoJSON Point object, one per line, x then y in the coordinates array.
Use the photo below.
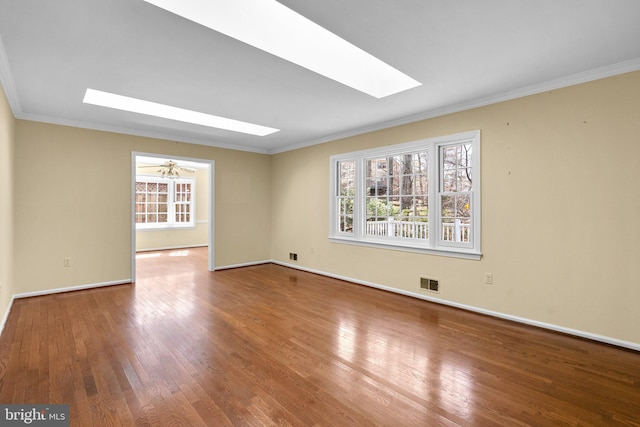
{"type": "Point", "coordinates": [345, 206]}
{"type": "Point", "coordinates": [448, 157]}
{"type": "Point", "coordinates": [377, 176]}
{"type": "Point", "coordinates": [456, 218]}
{"type": "Point", "coordinates": [421, 184]}
{"type": "Point", "coordinates": [380, 208]}
{"type": "Point", "coordinates": [456, 168]}
{"type": "Point", "coordinates": [457, 186]}
{"type": "Point", "coordinates": [396, 189]}
{"type": "Point", "coordinates": [463, 206]}
{"type": "Point", "coordinates": [449, 180]}
{"type": "Point", "coordinates": [394, 185]}
{"type": "Point", "coordinates": [346, 177]}
{"type": "Point", "coordinates": [346, 223]}
{"type": "Point", "coordinates": [464, 179]}
{"type": "Point", "coordinates": [448, 207]}
{"type": "Point", "coordinates": [346, 190]}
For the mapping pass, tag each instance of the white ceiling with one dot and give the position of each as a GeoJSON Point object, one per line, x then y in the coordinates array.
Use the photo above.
{"type": "Point", "coordinates": [466, 53]}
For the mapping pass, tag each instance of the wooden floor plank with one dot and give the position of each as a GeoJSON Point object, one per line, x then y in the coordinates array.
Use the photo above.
{"type": "Point", "coordinates": [266, 345]}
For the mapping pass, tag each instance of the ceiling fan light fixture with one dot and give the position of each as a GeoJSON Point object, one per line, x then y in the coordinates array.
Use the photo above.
{"type": "Point", "coordinates": [280, 31]}
{"type": "Point", "coordinates": [169, 169]}
{"type": "Point", "coordinates": [140, 106]}
{"type": "Point", "coordinates": [171, 174]}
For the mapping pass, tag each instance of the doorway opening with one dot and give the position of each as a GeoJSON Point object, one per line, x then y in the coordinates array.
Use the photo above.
{"type": "Point", "coordinates": [172, 204]}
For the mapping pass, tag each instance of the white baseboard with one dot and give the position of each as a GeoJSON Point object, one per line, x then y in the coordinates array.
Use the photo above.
{"type": "Point", "coordinates": [6, 314]}
{"type": "Point", "coordinates": [72, 288]}
{"type": "Point", "coordinates": [171, 248]}
{"type": "Point", "coordinates": [246, 264]}
{"type": "Point", "coordinates": [549, 326]}
{"type": "Point", "coordinates": [56, 291]}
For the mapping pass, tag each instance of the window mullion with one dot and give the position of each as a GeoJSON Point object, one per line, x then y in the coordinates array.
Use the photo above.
{"type": "Point", "coordinates": [171, 208]}
{"type": "Point", "coordinates": [434, 195]}
{"type": "Point", "coordinates": [359, 201]}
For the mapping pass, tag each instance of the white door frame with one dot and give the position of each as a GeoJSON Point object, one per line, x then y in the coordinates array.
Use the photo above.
{"type": "Point", "coordinates": [211, 234]}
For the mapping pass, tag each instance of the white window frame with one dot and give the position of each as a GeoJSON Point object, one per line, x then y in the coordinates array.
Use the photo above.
{"type": "Point", "coordinates": [434, 244]}
{"type": "Point", "coordinates": [171, 203]}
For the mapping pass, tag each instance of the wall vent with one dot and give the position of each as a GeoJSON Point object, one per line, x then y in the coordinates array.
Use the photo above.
{"type": "Point", "coordinates": [432, 285]}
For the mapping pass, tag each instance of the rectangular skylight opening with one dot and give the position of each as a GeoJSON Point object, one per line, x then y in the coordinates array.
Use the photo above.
{"type": "Point", "coordinates": [134, 105]}
{"type": "Point", "coordinates": [280, 31]}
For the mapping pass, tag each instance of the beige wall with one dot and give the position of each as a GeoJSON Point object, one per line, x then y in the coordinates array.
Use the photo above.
{"type": "Point", "coordinates": [560, 208]}
{"type": "Point", "coordinates": [73, 200]}
{"type": "Point", "coordinates": [6, 204]}
{"type": "Point", "coordinates": [560, 203]}
{"type": "Point", "coordinates": [179, 237]}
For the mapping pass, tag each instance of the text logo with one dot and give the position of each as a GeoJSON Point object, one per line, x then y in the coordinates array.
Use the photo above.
{"type": "Point", "coordinates": [34, 415]}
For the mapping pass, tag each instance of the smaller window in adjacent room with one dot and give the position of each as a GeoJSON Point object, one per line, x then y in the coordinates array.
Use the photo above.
{"type": "Point", "coordinates": [422, 196]}
{"type": "Point", "coordinates": [164, 203]}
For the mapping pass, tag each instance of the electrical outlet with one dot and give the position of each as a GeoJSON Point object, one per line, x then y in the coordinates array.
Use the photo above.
{"type": "Point", "coordinates": [67, 262]}
{"type": "Point", "coordinates": [293, 256]}
{"type": "Point", "coordinates": [488, 278]}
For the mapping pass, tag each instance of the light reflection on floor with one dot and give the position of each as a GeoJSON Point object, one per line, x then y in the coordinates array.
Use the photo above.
{"type": "Point", "coordinates": [145, 255]}
{"type": "Point", "coordinates": [181, 293]}
{"type": "Point", "coordinates": [346, 340]}
{"type": "Point", "coordinates": [179, 253]}
{"type": "Point", "coordinates": [431, 373]}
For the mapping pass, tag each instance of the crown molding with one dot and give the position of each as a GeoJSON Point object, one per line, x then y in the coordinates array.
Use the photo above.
{"type": "Point", "coordinates": [7, 82]}
{"type": "Point", "coordinates": [559, 83]}
{"type": "Point", "coordinates": [135, 132]}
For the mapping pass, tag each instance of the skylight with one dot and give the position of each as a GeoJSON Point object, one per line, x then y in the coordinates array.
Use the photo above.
{"type": "Point", "coordinates": [120, 102]}
{"type": "Point", "coordinates": [278, 30]}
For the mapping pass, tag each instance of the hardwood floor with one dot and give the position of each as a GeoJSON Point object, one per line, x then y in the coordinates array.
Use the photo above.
{"type": "Point", "coordinates": [268, 345]}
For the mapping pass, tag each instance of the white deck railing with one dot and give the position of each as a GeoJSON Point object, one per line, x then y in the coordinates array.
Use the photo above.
{"type": "Point", "coordinates": [451, 232]}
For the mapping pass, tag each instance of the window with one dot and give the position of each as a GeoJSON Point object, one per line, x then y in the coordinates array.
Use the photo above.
{"type": "Point", "coordinates": [422, 196]}
{"type": "Point", "coordinates": [164, 203]}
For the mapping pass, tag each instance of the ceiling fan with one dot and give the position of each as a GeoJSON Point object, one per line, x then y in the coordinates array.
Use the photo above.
{"type": "Point", "coordinates": [170, 169]}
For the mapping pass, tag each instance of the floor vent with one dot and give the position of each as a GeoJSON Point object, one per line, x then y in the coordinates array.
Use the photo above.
{"type": "Point", "coordinates": [432, 285]}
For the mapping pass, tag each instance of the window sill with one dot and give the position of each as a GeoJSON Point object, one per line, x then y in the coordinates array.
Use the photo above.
{"type": "Point", "coordinates": [448, 252]}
